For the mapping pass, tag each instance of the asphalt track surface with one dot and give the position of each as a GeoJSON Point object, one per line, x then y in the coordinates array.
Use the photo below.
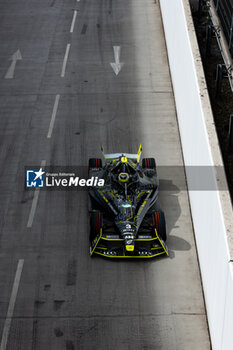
{"type": "Point", "coordinates": [58, 104]}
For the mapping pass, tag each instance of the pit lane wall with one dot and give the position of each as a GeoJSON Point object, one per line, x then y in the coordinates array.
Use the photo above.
{"type": "Point", "coordinates": [211, 210]}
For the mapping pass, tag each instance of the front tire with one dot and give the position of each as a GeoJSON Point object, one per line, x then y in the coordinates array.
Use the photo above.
{"type": "Point", "coordinates": [96, 223]}
{"type": "Point", "coordinates": [159, 223]}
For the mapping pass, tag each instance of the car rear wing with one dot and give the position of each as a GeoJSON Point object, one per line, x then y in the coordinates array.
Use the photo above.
{"type": "Point", "coordinates": [134, 157]}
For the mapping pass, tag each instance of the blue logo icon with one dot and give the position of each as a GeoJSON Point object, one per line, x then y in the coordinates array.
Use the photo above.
{"type": "Point", "coordinates": [35, 178]}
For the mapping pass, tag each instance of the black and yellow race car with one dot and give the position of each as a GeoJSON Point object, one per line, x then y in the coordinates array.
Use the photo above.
{"type": "Point", "coordinates": [126, 220]}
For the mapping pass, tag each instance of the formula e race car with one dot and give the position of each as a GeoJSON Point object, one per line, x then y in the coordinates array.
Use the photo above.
{"type": "Point", "coordinates": [126, 220]}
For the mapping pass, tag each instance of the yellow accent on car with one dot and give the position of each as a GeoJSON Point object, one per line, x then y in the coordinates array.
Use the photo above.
{"type": "Point", "coordinates": [97, 241]}
{"type": "Point", "coordinates": [124, 159]}
{"type": "Point", "coordinates": [103, 196]}
{"type": "Point", "coordinates": [139, 153]}
{"type": "Point", "coordinates": [129, 248]}
{"type": "Point", "coordinates": [123, 177]}
{"type": "Point", "coordinates": [141, 208]}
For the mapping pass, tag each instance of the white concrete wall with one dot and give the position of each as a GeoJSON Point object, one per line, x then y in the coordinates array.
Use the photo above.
{"type": "Point", "coordinates": [211, 210]}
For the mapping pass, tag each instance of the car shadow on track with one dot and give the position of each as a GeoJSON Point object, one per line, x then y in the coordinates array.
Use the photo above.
{"type": "Point", "coordinates": [169, 198]}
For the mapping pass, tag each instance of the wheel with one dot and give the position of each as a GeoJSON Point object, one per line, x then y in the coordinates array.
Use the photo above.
{"type": "Point", "coordinates": [149, 163]}
{"type": "Point", "coordinates": [94, 163]}
{"type": "Point", "coordinates": [159, 223]}
{"type": "Point", "coordinates": [96, 220]}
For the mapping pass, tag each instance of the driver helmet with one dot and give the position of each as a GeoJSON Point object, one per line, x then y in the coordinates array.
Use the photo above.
{"type": "Point", "coordinates": [123, 178]}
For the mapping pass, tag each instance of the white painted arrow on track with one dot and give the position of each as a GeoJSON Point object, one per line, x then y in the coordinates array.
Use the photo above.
{"type": "Point", "coordinates": [117, 65]}
{"type": "Point", "coordinates": [14, 58]}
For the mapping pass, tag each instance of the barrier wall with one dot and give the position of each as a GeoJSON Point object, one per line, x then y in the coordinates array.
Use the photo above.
{"type": "Point", "coordinates": [211, 210]}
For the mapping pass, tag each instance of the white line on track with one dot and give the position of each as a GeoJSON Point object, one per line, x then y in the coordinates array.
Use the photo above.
{"type": "Point", "coordinates": [53, 117]}
{"type": "Point", "coordinates": [73, 21]}
{"type": "Point", "coordinates": [11, 306]}
{"type": "Point", "coordinates": [34, 202]}
{"type": "Point", "coordinates": [63, 71]}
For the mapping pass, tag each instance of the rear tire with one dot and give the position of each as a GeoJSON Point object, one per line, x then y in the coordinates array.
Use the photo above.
{"type": "Point", "coordinates": [159, 223]}
{"type": "Point", "coordinates": [148, 163]}
{"type": "Point", "coordinates": [96, 223]}
{"type": "Point", "coordinates": [94, 163]}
